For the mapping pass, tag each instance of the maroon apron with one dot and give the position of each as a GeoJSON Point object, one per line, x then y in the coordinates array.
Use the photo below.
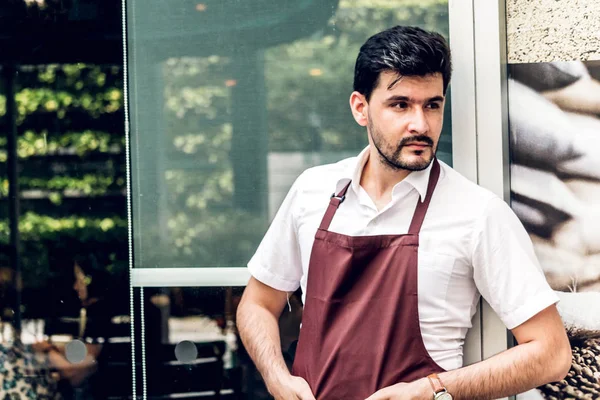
{"type": "Point", "coordinates": [360, 326]}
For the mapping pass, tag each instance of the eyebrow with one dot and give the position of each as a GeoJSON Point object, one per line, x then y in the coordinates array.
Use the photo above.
{"type": "Point", "coordinates": [411, 100]}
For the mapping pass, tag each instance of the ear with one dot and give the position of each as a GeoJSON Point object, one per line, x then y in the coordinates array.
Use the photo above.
{"type": "Point", "coordinates": [359, 107]}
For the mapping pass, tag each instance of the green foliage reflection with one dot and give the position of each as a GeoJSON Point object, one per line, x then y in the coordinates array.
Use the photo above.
{"type": "Point", "coordinates": [307, 85]}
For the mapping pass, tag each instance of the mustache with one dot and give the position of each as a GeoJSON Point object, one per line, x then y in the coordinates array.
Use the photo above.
{"type": "Point", "coordinates": [416, 138]}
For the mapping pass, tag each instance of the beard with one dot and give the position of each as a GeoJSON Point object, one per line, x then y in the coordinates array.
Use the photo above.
{"type": "Point", "coordinates": [392, 155]}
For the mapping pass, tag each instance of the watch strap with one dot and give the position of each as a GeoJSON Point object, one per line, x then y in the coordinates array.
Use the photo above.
{"type": "Point", "coordinates": [436, 383]}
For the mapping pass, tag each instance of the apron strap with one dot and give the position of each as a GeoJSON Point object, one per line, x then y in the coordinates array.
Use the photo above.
{"type": "Point", "coordinates": [334, 203]}
{"type": "Point", "coordinates": [418, 217]}
{"type": "Point", "coordinates": [422, 206]}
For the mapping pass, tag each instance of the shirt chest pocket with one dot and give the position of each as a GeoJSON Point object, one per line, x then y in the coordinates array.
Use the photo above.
{"type": "Point", "coordinates": [435, 271]}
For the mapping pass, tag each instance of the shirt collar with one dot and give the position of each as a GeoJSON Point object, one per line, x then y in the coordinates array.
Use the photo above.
{"type": "Point", "coordinates": [417, 179]}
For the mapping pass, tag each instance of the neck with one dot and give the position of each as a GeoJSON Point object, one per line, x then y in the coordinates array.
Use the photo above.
{"type": "Point", "coordinates": [378, 178]}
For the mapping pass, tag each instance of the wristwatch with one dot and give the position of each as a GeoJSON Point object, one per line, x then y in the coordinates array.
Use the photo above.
{"type": "Point", "coordinates": [439, 390]}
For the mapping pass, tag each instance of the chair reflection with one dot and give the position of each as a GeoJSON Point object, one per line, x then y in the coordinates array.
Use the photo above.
{"type": "Point", "coordinates": [167, 378]}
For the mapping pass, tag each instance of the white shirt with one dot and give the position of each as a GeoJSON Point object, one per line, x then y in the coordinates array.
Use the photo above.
{"type": "Point", "coordinates": [471, 244]}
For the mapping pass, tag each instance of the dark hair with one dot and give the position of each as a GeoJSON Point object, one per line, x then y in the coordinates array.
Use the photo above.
{"type": "Point", "coordinates": [406, 50]}
{"type": "Point", "coordinates": [99, 277]}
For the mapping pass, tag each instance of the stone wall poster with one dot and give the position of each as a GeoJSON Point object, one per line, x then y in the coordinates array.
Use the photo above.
{"type": "Point", "coordinates": [554, 119]}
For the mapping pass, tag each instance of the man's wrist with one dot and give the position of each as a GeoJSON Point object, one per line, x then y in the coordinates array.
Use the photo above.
{"type": "Point", "coordinates": [423, 388]}
{"type": "Point", "coordinates": [277, 377]}
{"type": "Point", "coordinates": [49, 348]}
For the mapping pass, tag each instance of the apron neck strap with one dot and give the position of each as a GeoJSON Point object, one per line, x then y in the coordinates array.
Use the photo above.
{"type": "Point", "coordinates": [418, 217]}
{"type": "Point", "coordinates": [334, 203]}
{"type": "Point", "coordinates": [422, 206]}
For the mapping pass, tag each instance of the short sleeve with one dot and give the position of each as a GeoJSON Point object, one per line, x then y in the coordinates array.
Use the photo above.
{"type": "Point", "coordinates": [506, 270]}
{"type": "Point", "coordinates": [277, 262]}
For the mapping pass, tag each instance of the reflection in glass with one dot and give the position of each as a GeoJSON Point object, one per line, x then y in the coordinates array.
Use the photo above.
{"type": "Point", "coordinates": [186, 351]}
{"type": "Point", "coordinates": [72, 226]}
{"type": "Point", "coordinates": [226, 116]}
{"type": "Point", "coordinates": [202, 320]}
{"type": "Point", "coordinates": [62, 193]}
{"type": "Point", "coordinates": [75, 351]}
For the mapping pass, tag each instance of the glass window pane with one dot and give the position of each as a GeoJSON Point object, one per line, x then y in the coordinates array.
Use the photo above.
{"type": "Point", "coordinates": [63, 219]}
{"type": "Point", "coordinates": [192, 346]}
{"type": "Point", "coordinates": [71, 256]}
{"type": "Point", "coordinates": [230, 102]}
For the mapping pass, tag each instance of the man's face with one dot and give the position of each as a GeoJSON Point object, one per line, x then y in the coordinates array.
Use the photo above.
{"type": "Point", "coordinates": [80, 285]}
{"type": "Point", "coordinates": [404, 119]}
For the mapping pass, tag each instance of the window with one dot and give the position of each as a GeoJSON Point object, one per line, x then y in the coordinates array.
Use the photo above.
{"type": "Point", "coordinates": [230, 102]}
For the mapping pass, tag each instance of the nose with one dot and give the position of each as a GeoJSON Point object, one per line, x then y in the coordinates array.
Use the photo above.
{"type": "Point", "coordinates": [418, 123]}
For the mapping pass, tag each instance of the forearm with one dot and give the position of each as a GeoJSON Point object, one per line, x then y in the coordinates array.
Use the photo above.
{"type": "Point", "coordinates": [259, 331]}
{"type": "Point", "coordinates": [514, 371]}
{"type": "Point", "coordinates": [74, 373]}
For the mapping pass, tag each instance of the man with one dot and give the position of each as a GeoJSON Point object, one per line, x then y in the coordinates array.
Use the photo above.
{"type": "Point", "coordinates": [389, 288]}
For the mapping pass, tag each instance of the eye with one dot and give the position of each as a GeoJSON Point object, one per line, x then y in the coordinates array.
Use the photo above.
{"type": "Point", "coordinates": [433, 106]}
{"type": "Point", "coordinates": [402, 105]}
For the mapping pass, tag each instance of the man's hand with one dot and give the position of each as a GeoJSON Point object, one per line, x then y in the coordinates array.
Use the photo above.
{"type": "Point", "coordinates": [416, 390]}
{"type": "Point", "coordinates": [257, 316]}
{"type": "Point", "coordinates": [43, 347]}
{"type": "Point", "coordinates": [291, 388]}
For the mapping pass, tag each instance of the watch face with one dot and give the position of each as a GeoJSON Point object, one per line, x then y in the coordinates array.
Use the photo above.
{"type": "Point", "coordinates": [443, 396]}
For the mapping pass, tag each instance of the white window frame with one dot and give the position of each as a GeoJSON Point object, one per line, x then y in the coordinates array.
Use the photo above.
{"type": "Point", "coordinates": [491, 101]}
{"type": "Point", "coordinates": [189, 277]}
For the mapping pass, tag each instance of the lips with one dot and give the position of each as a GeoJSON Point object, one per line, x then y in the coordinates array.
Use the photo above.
{"type": "Point", "coordinates": [417, 142]}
